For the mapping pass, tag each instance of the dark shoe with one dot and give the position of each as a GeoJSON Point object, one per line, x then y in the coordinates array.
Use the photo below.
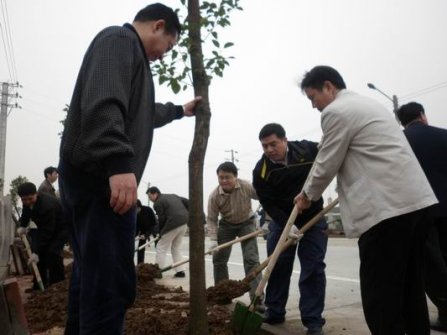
{"type": "Point", "coordinates": [180, 274]}
{"type": "Point", "coordinates": [438, 326]}
{"type": "Point", "coordinates": [274, 321]}
{"type": "Point", "coordinates": [317, 331]}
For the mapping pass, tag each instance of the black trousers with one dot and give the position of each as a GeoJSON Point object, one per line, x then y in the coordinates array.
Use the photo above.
{"type": "Point", "coordinates": [140, 253]}
{"type": "Point", "coordinates": [392, 276]}
{"type": "Point", "coordinates": [436, 269]}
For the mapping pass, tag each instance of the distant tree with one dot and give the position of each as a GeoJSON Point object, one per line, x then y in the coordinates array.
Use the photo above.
{"type": "Point", "coordinates": [205, 17]}
{"type": "Point", "coordinates": [62, 122]}
{"type": "Point", "coordinates": [15, 183]}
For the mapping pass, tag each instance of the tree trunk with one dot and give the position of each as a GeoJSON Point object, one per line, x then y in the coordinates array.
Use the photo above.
{"type": "Point", "coordinates": [199, 320]}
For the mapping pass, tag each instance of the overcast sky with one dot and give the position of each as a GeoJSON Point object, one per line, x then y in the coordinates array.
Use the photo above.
{"type": "Point", "coordinates": [399, 45]}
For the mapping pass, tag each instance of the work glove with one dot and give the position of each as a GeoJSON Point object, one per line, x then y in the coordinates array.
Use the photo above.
{"type": "Point", "coordinates": [212, 246]}
{"type": "Point", "coordinates": [21, 231]}
{"type": "Point", "coordinates": [295, 234]}
{"type": "Point", "coordinates": [34, 258]}
{"type": "Point", "coordinates": [265, 229]}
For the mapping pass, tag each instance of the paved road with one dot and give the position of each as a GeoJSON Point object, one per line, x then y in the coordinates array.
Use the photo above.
{"type": "Point", "coordinates": [343, 311]}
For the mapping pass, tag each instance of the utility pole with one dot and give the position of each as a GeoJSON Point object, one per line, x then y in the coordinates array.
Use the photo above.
{"type": "Point", "coordinates": [3, 124]}
{"type": "Point", "coordinates": [233, 152]}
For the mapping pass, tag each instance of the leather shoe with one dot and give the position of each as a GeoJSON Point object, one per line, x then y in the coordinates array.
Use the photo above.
{"type": "Point", "coordinates": [438, 326]}
{"type": "Point", "coordinates": [180, 274]}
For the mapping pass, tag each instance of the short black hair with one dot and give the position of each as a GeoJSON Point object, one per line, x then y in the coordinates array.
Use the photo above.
{"type": "Point", "coordinates": [272, 129]}
{"type": "Point", "coordinates": [316, 77]}
{"type": "Point", "coordinates": [227, 167]}
{"type": "Point", "coordinates": [49, 170]}
{"type": "Point", "coordinates": [153, 189]}
{"type": "Point", "coordinates": [409, 112]}
{"type": "Point", "coordinates": [158, 11]}
{"type": "Point", "coordinates": [26, 189]}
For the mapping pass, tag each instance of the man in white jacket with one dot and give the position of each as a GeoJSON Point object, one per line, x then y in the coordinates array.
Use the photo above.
{"type": "Point", "coordinates": [383, 199]}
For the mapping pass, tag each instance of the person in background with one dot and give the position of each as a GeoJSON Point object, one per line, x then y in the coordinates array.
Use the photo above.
{"type": "Point", "coordinates": [278, 176]}
{"type": "Point", "coordinates": [46, 186]}
{"type": "Point", "coordinates": [105, 146]}
{"type": "Point", "coordinates": [51, 233]}
{"type": "Point", "coordinates": [430, 147]}
{"type": "Point", "coordinates": [384, 198]}
{"type": "Point", "coordinates": [173, 216]}
{"type": "Point", "coordinates": [232, 201]}
{"type": "Point", "coordinates": [146, 226]}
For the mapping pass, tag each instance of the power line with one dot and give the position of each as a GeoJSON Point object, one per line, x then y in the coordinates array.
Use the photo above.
{"type": "Point", "coordinates": [424, 91]}
{"type": "Point", "coordinates": [7, 42]}
{"type": "Point", "coordinates": [8, 26]}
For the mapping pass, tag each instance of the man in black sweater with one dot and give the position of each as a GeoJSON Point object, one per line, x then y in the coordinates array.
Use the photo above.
{"type": "Point", "coordinates": [51, 233]}
{"type": "Point", "coordinates": [104, 149]}
{"type": "Point", "coordinates": [146, 226]}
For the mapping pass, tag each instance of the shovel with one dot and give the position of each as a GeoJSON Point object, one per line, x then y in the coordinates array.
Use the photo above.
{"type": "Point", "coordinates": [147, 243]}
{"type": "Point", "coordinates": [33, 264]}
{"type": "Point", "coordinates": [213, 250]}
{"type": "Point", "coordinates": [245, 321]}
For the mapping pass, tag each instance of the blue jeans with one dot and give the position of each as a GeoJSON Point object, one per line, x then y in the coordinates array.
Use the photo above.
{"type": "Point", "coordinates": [312, 283]}
{"type": "Point", "coordinates": [103, 281]}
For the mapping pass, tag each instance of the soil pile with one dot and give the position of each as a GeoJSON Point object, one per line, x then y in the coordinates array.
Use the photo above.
{"type": "Point", "coordinates": [157, 310]}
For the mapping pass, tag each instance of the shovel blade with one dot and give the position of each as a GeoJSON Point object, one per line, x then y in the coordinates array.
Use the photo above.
{"type": "Point", "coordinates": [244, 321]}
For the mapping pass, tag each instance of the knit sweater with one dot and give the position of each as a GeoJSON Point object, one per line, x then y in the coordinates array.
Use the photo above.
{"type": "Point", "coordinates": [112, 114]}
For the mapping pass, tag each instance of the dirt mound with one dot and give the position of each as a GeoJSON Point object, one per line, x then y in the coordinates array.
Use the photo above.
{"type": "Point", "coordinates": [157, 310]}
{"type": "Point", "coordinates": [226, 290]}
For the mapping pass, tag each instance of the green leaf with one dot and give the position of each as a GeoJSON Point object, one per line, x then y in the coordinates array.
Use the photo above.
{"type": "Point", "coordinates": [175, 86]}
{"type": "Point", "coordinates": [228, 44]}
{"type": "Point", "coordinates": [216, 43]}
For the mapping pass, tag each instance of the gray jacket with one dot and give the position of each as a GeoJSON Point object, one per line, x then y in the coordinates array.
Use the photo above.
{"type": "Point", "coordinates": [378, 175]}
{"type": "Point", "coordinates": [172, 212]}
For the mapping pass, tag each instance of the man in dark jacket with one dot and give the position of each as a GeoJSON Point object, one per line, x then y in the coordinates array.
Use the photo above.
{"type": "Point", "coordinates": [172, 212]}
{"type": "Point", "coordinates": [430, 147]}
{"type": "Point", "coordinates": [278, 176]}
{"type": "Point", "coordinates": [104, 149]}
{"type": "Point", "coordinates": [146, 226]}
{"type": "Point", "coordinates": [51, 235]}
{"type": "Point", "coordinates": [51, 175]}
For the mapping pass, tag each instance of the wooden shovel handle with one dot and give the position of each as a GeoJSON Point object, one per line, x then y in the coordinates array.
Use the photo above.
{"type": "Point", "coordinates": [222, 246]}
{"type": "Point", "coordinates": [33, 264]}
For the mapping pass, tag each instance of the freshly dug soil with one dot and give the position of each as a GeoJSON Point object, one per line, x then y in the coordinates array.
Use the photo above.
{"type": "Point", "coordinates": [226, 290]}
{"type": "Point", "coordinates": [157, 310]}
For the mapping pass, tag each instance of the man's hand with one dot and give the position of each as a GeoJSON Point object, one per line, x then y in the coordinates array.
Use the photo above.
{"type": "Point", "coordinates": [302, 202]}
{"type": "Point", "coordinates": [34, 258]}
{"type": "Point", "coordinates": [295, 234]}
{"type": "Point", "coordinates": [123, 189]}
{"type": "Point", "coordinates": [265, 229]}
{"type": "Point", "coordinates": [142, 237]}
{"type": "Point", "coordinates": [21, 231]}
{"type": "Point", "coordinates": [213, 245]}
{"type": "Point", "coordinates": [189, 107]}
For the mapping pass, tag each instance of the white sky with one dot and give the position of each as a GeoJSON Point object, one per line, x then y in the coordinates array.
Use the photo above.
{"type": "Point", "coordinates": [398, 45]}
